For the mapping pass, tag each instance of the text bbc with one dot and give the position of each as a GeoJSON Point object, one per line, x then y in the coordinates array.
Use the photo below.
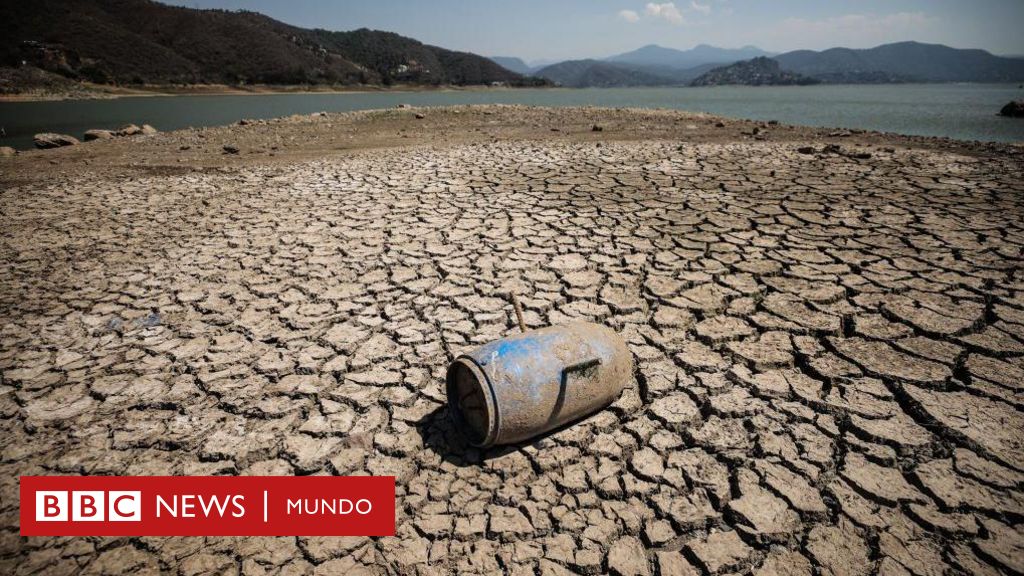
{"type": "Point", "coordinates": [88, 506]}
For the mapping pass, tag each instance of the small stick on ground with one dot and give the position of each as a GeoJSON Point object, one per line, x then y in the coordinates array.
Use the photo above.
{"type": "Point", "coordinates": [519, 313]}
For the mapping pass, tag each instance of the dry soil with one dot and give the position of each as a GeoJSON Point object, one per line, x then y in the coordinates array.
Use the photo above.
{"type": "Point", "coordinates": [828, 339]}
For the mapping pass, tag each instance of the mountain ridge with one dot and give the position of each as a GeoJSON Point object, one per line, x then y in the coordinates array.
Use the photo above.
{"type": "Point", "coordinates": [145, 42]}
{"type": "Point", "coordinates": [128, 42]}
{"type": "Point", "coordinates": [896, 62]}
{"type": "Point", "coordinates": [512, 63]}
{"type": "Point", "coordinates": [656, 55]}
{"type": "Point", "coordinates": [591, 73]}
{"type": "Point", "coordinates": [903, 62]}
{"type": "Point", "coordinates": [760, 71]}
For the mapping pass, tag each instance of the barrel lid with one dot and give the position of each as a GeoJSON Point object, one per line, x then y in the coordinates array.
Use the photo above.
{"type": "Point", "coordinates": [471, 402]}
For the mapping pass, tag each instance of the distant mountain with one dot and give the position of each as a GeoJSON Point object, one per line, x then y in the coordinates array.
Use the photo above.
{"type": "Point", "coordinates": [650, 65]}
{"type": "Point", "coordinates": [511, 63]}
{"type": "Point", "coordinates": [903, 62]}
{"type": "Point", "coordinates": [760, 71]}
{"type": "Point", "coordinates": [598, 74]}
{"type": "Point", "coordinates": [654, 55]}
{"type": "Point", "coordinates": [538, 64]}
{"type": "Point", "coordinates": [140, 41]}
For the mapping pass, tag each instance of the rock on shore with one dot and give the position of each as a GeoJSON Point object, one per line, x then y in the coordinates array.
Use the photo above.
{"type": "Point", "coordinates": [1014, 109]}
{"type": "Point", "coordinates": [98, 135]}
{"type": "Point", "coordinates": [51, 140]}
{"type": "Point", "coordinates": [129, 130]}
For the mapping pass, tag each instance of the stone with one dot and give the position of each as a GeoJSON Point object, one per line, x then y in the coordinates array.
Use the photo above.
{"type": "Point", "coordinates": [97, 134]}
{"type": "Point", "coordinates": [1013, 109]}
{"type": "Point", "coordinates": [46, 140]}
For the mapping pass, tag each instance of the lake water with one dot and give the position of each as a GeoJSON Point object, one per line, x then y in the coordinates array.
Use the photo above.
{"type": "Point", "coordinates": [963, 111]}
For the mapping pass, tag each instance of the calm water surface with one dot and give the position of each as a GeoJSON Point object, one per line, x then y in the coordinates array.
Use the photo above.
{"type": "Point", "coordinates": [963, 111]}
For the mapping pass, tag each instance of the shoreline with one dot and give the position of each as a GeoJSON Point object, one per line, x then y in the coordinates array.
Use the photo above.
{"type": "Point", "coordinates": [822, 106]}
{"type": "Point", "coordinates": [105, 92]}
{"type": "Point", "coordinates": [98, 92]}
{"type": "Point", "coordinates": [313, 136]}
{"type": "Point", "coordinates": [836, 133]}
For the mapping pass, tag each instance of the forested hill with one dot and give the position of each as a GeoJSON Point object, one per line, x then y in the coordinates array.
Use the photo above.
{"type": "Point", "coordinates": [140, 41]}
{"type": "Point", "coordinates": [903, 62]}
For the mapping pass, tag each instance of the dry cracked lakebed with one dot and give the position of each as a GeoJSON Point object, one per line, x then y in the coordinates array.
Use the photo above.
{"type": "Point", "coordinates": [829, 341]}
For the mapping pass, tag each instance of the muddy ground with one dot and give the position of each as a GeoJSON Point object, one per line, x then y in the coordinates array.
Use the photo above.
{"type": "Point", "coordinates": [828, 339]}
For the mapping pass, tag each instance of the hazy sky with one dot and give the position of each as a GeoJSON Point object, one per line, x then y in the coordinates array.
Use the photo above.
{"type": "Point", "coordinates": [562, 29]}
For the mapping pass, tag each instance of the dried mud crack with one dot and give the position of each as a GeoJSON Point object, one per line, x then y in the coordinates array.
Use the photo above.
{"type": "Point", "coordinates": [829, 347]}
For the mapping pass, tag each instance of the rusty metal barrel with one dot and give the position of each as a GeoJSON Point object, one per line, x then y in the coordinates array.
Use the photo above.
{"type": "Point", "coordinates": [528, 384]}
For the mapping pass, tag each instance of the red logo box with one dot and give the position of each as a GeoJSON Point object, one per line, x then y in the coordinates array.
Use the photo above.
{"type": "Point", "coordinates": [207, 506]}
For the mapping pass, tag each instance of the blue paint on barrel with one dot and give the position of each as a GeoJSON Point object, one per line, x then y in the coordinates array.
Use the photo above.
{"type": "Point", "coordinates": [527, 384]}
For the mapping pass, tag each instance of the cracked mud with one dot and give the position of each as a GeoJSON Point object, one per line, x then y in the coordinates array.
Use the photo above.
{"type": "Point", "coordinates": [829, 348]}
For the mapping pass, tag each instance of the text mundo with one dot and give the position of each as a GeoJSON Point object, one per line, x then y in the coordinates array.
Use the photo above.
{"type": "Point", "coordinates": [124, 506]}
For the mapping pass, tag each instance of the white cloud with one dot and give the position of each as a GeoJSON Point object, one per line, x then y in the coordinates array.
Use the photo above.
{"type": "Point", "coordinates": [666, 11]}
{"type": "Point", "coordinates": [855, 30]}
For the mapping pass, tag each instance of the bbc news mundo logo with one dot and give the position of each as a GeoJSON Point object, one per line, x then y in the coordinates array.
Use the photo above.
{"type": "Point", "coordinates": [207, 506]}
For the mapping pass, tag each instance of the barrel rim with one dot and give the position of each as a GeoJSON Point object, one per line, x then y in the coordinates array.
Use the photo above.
{"type": "Point", "coordinates": [493, 417]}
